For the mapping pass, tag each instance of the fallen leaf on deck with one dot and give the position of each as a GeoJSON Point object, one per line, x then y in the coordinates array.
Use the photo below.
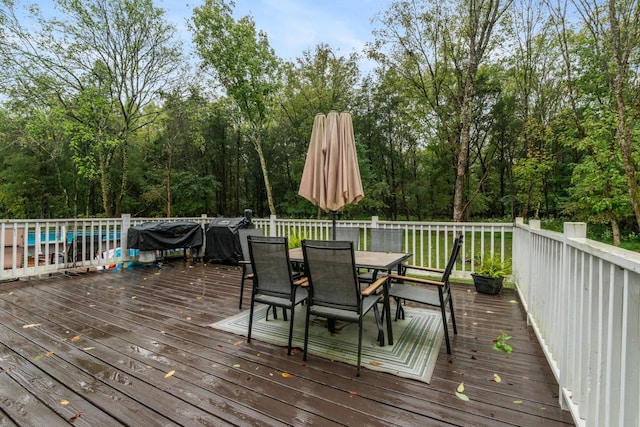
{"type": "Point", "coordinates": [76, 338]}
{"type": "Point", "coordinates": [75, 417]}
{"type": "Point", "coordinates": [198, 297]}
{"type": "Point", "coordinates": [496, 378]}
{"type": "Point", "coordinates": [286, 374]}
{"type": "Point", "coordinates": [375, 363]}
{"type": "Point", "coordinates": [88, 348]}
{"type": "Point", "coordinates": [49, 353]}
{"type": "Point", "coordinates": [237, 343]}
{"type": "Point", "coordinates": [460, 388]}
{"type": "Point", "coordinates": [517, 402]}
{"type": "Point", "coordinates": [169, 374]}
{"type": "Point", "coordinates": [64, 402]}
{"type": "Point", "coordinates": [353, 393]}
{"type": "Point", "coordinates": [462, 396]}
{"type": "Point", "coordinates": [489, 311]}
{"type": "Point", "coordinates": [188, 317]}
{"type": "Point", "coordinates": [32, 325]}
{"type": "Point", "coordinates": [237, 365]}
{"type": "Point", "coordinates": [4, 371]}
{"type": "Point", "coordinates": [38, 357]}
{"type": "Point", "coordinates": [513, 301]}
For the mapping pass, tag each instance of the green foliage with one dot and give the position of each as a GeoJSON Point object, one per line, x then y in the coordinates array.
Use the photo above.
{"type": "Point", "coordinates": [492, 266]}
{"type": "Point", "coordinates": [500, 343]}
{"type": "Point", "coordinates": [295, 240]}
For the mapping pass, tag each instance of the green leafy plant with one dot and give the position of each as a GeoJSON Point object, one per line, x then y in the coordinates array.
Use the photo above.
{"type": "Point", "coordinates": [500, 343]}
{"type": "Point", "coordinates": [492, 266]}
{"type": "Point", "coordinates": [295, 240]}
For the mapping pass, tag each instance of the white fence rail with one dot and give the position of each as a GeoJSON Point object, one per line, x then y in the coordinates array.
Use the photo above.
{"type": "Point", "coordinates": [583, 300]}
{"type": "Point", "coordinates": [582, 297]}
{"type": "Point", "coordinates": [430, 243]}
{"type": "Point", "coordinates": [34, 248]}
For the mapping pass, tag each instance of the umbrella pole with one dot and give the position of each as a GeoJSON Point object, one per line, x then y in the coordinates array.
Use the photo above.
{"type": "Point", "coordinates": [333, 229]}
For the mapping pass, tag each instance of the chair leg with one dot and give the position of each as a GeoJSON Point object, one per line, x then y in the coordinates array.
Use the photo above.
{"type": "Point", "coordinates": [446, 330]}
{"type": "Point", "coordinates": [453, 316]}
{"type": "Point", "coordinates": [306, 334]}
{"type": "Point", "coordinates": [399, 310]}
{"type": "Point", "coordinates": [250, 320]}
{"type": "Point", "coordinates": [241, 292]}
{"type": "Point", "coordinates": [359, 346]}
{"type": "Point", "coordinates": [293, 309]}
{"type": "Point", "coordinates": [380, 324]}
{"type": "Point", "coordinates": [275, 313]}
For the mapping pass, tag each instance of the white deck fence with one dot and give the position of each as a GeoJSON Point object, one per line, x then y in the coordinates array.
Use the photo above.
{"type": "Point", "coordinates": [582, 297]}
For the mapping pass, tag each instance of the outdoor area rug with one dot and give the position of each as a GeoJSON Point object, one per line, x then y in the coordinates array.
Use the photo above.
{"type": "Point", "coordinates": [416, 339]}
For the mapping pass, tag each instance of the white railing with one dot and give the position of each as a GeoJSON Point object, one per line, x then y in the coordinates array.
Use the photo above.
{"type": "Point", "coordinates": [583, 301]}
{"type": "Point", "coordinates": [429, 243]}
{"type": "Point", "coordinates": [582, 297]}
{"type": "Point", "coordinates": [34, 247]}
{"type": "Point", "coordinates": [37, 247]}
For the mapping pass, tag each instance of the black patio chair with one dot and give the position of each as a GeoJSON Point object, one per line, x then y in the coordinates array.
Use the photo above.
{"type": "Point", "coordinates": [273, 282]}
{"type": "Point", "coordinates": [247, 271]}
{"type": "Point", "coordinates": [334, 289]}
{"type": "Point", "coordinates": [382, 240]}
{"type": "Point", "coordinates": [435, 293]}
{"type": "Point", "coordinates": [351, 234]}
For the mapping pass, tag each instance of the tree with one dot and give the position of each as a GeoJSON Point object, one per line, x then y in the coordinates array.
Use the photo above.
{"type": "Point", "coordinates": [105, 63]}
{"type": "Point", "coordinates": [611, 31]}
{"type": "Point", "coordinates": [244, 64]}
{"type": "Point", "coordinates": [438, 48]}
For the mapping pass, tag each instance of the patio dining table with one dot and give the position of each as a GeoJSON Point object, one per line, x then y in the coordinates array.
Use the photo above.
{"type": "Point", "coordinates": [382, 261]}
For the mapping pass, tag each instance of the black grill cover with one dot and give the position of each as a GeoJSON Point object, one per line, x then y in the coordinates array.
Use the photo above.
{"type": "Point", "coordinates": [164, 235]}
{"type": "Point", "coordinates": [223, 243]}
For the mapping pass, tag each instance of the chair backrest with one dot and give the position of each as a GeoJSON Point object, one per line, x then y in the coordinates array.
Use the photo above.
{"type": "Point", "coordinates": [386, 240]}
{"type": "Point", "coordinates": [271, 266]}
{"type": "Point", "coordinates": [331, 269]}
{"type": "Point", "coordinates": [455, 250]}
{"type": "Point", "coordinates": [243, 233]}
{"type": "Point", "coordinates": [351, 234]}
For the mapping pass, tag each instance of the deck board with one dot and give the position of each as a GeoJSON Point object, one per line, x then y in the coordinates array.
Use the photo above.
{"type": "Point", "coordinates": [106, 340]}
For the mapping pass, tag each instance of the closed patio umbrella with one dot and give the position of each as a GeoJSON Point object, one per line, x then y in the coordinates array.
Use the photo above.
{"type": "Point", "coordinates": [331, 176]}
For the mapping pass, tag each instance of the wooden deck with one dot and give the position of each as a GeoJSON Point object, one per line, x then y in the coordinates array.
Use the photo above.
{"type": "Point", "coordinates": [96, 349]}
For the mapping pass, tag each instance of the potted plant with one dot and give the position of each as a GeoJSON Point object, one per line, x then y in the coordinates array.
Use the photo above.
{"type": "Point", "coordinates": [489, 274]}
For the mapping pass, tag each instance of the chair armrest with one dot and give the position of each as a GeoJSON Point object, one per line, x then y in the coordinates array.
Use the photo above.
{"type": "Point", "coordinates": [416, 280]}
{"type": "Point", "coordinates": [249, 276]}
{"type": "Point", "coordinates": [374, 286]}
{"type": "Point", "coordinates": [303, 281]}
{"type": "Point", "coordinates": [421, 268]}
{"type": "Point", "coordinates": [243, 262]}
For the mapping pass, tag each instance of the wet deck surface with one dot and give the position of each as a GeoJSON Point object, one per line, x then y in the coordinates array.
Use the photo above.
{"type": "Point", "coordinates": [96, 349]}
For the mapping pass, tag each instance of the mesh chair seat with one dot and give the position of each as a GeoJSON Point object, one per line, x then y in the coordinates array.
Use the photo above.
{"type": "Point", "coordinates": [382, 240]}
{"type": "Point", "coordinates": [334, 289]}
{"type": "Point", "coordinates": [273, 282]}
{"type": "Point", "coordinates": [351, 234]}
{"type": "Point", "coordinates": [247, 270]}
{"type": "Point", "coordinates": [435, 293]}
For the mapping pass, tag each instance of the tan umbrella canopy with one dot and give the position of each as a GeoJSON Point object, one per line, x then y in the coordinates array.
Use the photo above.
{"type": "Point", "coordinates": [331, 176]}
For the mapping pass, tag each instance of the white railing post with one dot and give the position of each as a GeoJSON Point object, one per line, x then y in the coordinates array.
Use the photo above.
{"type": "Point", "coordinates": [272, 226]}
{"type": "Point", "coordinates": [569, 322]}
{"type": "Point", "coordinates": [124, 233]}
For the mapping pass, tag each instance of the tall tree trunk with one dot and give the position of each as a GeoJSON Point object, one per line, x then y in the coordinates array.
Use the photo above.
{"type": "Point", "coordinates": [265, 172]}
